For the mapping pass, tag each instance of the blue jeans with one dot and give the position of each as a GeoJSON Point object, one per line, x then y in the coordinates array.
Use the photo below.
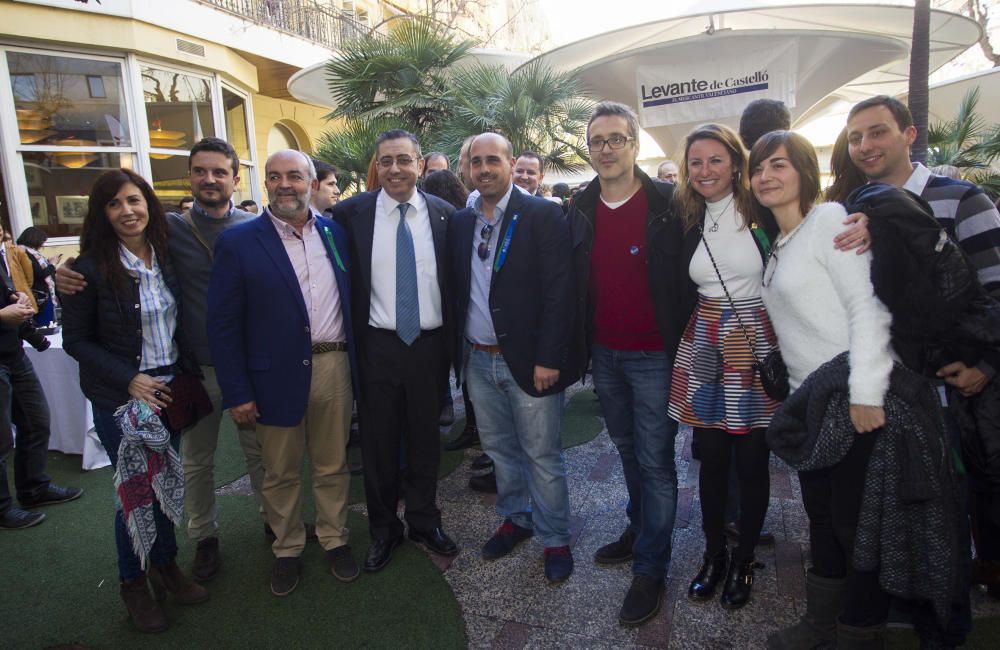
{"type": "Point", "coordinates": [633, 389]}
{"type": "Point", "coordinates": [521, 434]}
{"type": "Point", "coordinates": [164, 549]}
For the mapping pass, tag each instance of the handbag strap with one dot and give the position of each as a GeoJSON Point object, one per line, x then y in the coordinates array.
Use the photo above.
{"type": "Point", "coordinates": [186, 216]}
{"type": "Point", "coordinates": [732, 305]}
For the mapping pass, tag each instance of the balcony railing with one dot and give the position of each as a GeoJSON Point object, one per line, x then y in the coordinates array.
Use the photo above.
{"type": "Point", "coordinates": [308, 19]}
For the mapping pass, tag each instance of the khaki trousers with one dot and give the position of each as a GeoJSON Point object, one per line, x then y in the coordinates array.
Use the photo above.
{"type": "Point", "coordinates": [198, 445]}
{"type": "Point", "coordinates": [324, 431]}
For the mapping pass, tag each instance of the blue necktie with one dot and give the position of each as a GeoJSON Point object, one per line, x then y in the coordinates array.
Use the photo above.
{"type": "Point", "coordinates": [407, 304]}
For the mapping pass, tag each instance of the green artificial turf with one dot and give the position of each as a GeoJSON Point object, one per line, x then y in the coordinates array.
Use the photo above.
{"type": "Point", "coordinates": [60, 586]}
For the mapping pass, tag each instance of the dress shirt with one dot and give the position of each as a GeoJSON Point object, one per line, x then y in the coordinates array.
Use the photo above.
{"type": "Point", "coordinates": [316, 279]}
{"type": "Point", "coordinates": [479, 321]}
{"type": "Point", "coordinates": [157, 311]}
{"type": "Point", "coordinates": [383, 299]}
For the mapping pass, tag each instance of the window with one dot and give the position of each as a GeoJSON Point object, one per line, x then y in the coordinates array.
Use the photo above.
{"type": "Point", "coordinates": [55, 103]}
{"type": "Point", "coordinates": [77, 117]}
{"type": "Point", "coordinates": [178, 109]}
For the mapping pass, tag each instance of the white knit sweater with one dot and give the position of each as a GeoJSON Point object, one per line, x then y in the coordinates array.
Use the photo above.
{"type": "Point", "coordinates": [821, 303]}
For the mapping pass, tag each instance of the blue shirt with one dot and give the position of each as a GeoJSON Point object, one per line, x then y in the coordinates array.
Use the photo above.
{"type": "Point", "coordinates": [479, 323]}
{"type": "Point", "coordinates": [157, 312]}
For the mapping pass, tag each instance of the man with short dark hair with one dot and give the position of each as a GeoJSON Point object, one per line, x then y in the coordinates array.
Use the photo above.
{"type": "Point", "coordinates": [213, 171]}
{"type": "Point", "coordinates": [529, 172]}
{"type": "Point", "coordinates": [433, 162]}
{"type": "Point", "coordinates": [279, 324]}
{"type": "Point", "coordinates": [668, 172]}
{"type": "Point", "coordinates": [511, 345]}
{"type": "Point", "coordinates": [397, 241]}
{"type": "Point", "coordinates": [880, 132]}
{"type": "Point", "coordinates": [624, 236]}
{"type": "Point", "coordinates": [328, 193]}
{"type": "Point", "coordinates": [763, 116]}
{"type": "Point", "coordinates": [249, 205]}
{"type": "Point", "coordinates": [185, 203]}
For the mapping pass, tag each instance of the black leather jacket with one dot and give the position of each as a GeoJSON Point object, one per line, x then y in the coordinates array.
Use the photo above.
{"type": "Point", "coordinates": [673, 295]}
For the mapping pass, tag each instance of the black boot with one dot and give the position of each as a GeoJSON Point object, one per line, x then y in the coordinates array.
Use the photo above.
{"type": "Point", "coordinates": [739, 582]}
{"type": "Point", "coordinates": [818, 626]}
{"type": "Point", "coordinates": [712, 571]}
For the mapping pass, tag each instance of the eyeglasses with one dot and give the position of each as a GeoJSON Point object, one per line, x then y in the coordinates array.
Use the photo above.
{"type": "Point", "coordinates": [402, 161]}
{"type": "Point", "coordinates": [615, 142]}
{"type": "Point", "coordinates": [484, 246]}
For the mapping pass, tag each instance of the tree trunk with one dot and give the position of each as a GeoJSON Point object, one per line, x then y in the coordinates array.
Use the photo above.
{"type": "Point", "coordinates": [919, 71]}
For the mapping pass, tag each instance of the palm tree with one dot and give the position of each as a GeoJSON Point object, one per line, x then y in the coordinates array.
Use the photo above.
{"type": "Point", "coordinates": [414, 78]}
{"type": "Point", "coordinates": [401, 75]}
{"type": "Point", "coordinates": [537, 108]}
{"type": "Point", "coordinates": [919, 94]}
{"type": "Point", "coordinates": [968, 143]}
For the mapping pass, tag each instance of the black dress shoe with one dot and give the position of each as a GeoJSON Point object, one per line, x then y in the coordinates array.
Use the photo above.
{"type": "Point", "coordinates": [52, 495]}
{"type": "Point", "coordinates": [16, 518]}
{"type": "Point", "coordinates": [617, 551]}
{"type": "Point", "coordinates": [739, 582]}
{"type": "Point", "coordinates": [434, 540]}
{"type": "Point", "coordinates": [485, 483]}
{"type": "Point", "coordinates": [642, 601]}
{"type": "Point", "coordinates": [712, 572]}
{"type": "Point", "coordinates": [482, 461]}
{"type": "Point", "coordinates": [380, 552]}
{"type": "Point", "coordinates": [468, 438]}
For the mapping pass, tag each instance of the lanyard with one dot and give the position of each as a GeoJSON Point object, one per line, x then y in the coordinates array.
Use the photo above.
{"type": "Point", "coordinates": [502, 253]}
{"type": "Point", "coordinates": [333, 245]}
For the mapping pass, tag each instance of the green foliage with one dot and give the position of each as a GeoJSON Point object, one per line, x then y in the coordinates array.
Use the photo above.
{"type": "Point", "coordinates": [416, 78]}
{"type": "Point", "coordinates": [966, 142]}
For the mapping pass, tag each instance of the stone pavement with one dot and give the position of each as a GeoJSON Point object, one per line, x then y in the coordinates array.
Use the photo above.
{"type": "Point", "coordinates": [508, 604]}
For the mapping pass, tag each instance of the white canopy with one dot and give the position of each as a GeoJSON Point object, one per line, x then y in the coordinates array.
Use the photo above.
{"type": "Point", "coordinates": [845, 52]}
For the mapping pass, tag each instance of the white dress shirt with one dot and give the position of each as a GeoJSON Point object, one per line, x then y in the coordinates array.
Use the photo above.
{"type": "Point", "coordinates": [317, 280]}
{"type": "Point", "coordinates": [383, 299]}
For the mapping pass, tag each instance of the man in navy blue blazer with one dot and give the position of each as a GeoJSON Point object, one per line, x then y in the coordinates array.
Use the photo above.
{"type": "Point", "coordinates": [397, 238]}
{"type": "Point", "coordinates": [280, 330]}
{"type": "Point", "coordinates": [513, 295]}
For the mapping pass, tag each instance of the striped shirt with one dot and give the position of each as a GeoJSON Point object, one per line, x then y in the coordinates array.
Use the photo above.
{"type": "Point", "coordinates": [157, 311]}
{"type": "Point", "coordinates": [969, 217]}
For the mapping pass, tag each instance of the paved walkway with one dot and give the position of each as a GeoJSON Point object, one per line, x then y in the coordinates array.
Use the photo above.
{"type": "Point", "coordinates": [508, 604]}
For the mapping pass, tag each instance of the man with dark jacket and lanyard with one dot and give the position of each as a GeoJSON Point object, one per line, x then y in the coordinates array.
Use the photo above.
{"type": "Point", "coordinates": [630, 326]}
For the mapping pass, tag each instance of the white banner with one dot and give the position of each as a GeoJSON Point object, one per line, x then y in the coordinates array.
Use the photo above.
{"type": "Point", "coordinates": [715, 88]}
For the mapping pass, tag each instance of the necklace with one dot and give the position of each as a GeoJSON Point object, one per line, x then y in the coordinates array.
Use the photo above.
{"type": "Point", "coordinates": [715, 219]}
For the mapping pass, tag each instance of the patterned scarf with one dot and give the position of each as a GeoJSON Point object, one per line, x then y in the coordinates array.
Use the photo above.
{"type": "Point", "coordinates": [148, 468]}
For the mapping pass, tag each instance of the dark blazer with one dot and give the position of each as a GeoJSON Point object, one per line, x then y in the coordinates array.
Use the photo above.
{"type": "Point", "coordinates": [102, 330]}
{"type": "Point", "coordinates": [531, 295]}
{"type": "Point", "coordinates": [258, 327]}
{"type": "Point", "coordinates": [357, 216]}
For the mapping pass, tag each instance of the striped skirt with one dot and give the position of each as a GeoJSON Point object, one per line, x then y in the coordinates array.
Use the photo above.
{"type": "Point", "coordinates": [715, 384]}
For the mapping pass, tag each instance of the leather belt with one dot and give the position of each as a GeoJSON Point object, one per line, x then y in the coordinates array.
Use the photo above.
{"type": "Point", "coordinates": [337, 346]}
{"type": "Point", "coordinates": [492, 349]}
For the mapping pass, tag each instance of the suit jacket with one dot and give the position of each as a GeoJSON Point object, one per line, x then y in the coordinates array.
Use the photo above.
{"type": "Point", "coordinates": [258, 327]}
{"type": "Point", "coordinates": [531, 295]}
{"type": "Point", "coordinates": [357, 216]}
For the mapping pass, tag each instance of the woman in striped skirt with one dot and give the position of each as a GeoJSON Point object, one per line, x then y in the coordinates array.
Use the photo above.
{"type": "Point", "coordinates": [715, 387]}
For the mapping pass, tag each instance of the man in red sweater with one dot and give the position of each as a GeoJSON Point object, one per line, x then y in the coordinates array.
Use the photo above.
{"type": "Point", "coordinates": [622, 231]}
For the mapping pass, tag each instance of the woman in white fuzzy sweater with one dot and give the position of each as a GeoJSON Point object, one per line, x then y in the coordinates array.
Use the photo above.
{"type": "Point", "coordinates": [822, 303]}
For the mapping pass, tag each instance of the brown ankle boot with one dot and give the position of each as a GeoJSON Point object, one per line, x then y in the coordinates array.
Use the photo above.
{"type": "Point", "coordinates": [142, 609]}
{"type": "Point", "coordinates": [169, 577]}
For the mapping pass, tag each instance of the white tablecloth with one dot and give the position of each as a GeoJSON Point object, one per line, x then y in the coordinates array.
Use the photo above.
{"type": "Point", "coordinates": [71, 415]}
